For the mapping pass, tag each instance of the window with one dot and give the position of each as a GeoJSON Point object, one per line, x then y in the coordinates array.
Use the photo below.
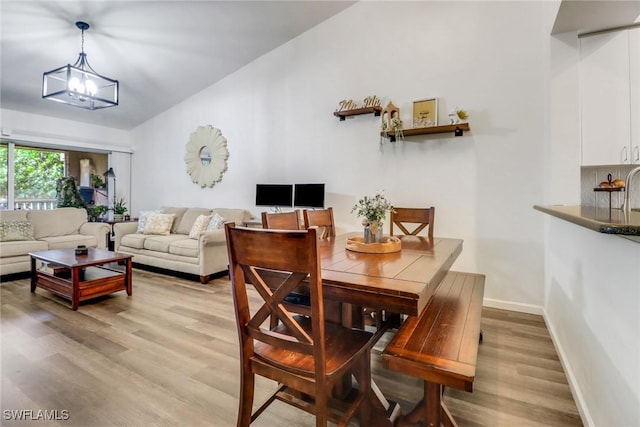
{"type": "Point", "coordinates": [28, 181]}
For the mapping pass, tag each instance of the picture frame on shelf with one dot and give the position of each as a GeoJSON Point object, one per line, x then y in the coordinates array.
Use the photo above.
{"type": "Point", "coordinates": [425, 113]}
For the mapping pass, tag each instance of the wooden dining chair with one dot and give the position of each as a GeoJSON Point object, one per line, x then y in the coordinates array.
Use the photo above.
{"type": "Point", "coordinates": [424, 217]}
{"type": "Point", "coordinates": [321, 218]}
{"type": "Point", "coordinates": [281, 220]}
{"type": "Point", "coordinates": [304, 354]}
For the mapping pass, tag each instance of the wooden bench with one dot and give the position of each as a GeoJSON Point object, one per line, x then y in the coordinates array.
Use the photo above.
{"type": "Point", "coordinates": [440, 346]}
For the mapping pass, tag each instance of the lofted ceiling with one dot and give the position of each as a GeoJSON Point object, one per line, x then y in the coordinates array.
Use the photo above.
{"type": "Point", "coordinates": [595, 15]}
{"type": "Point", "coordinates": [162, 52]}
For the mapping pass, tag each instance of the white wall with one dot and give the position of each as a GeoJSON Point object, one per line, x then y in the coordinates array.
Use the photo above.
{"type": "Point", "coordinates": [592, 314]}
{"type": "Point", "coordinates": [54, 132]}
{"type": "Point", "coordinates": [490, 58]}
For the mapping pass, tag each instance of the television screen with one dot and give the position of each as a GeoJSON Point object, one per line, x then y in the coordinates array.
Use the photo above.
{"type": "Point", "coordinates": [274, 195]}
{"type": "Point", "coordinates": [309, 195]}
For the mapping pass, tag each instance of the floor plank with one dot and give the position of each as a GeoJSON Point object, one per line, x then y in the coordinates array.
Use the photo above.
{"type": "Point", "coordinates": [168, 356]}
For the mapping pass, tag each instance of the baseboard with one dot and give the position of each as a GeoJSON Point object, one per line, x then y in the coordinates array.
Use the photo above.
{"type": "Point", "coordinates": [512, 306]}
{"type": "Point", "coordinates": [571, 379]}
{"type": "Point", "coordinates": [168, 272]}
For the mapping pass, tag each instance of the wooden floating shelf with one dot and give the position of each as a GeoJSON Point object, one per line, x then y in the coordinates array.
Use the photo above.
{"type": "Point", "coordinates": [358, 111]}
{"type": "Point", "coordinates": [609, 189]}
{"type": "Point", "coordinates": [430, 130]}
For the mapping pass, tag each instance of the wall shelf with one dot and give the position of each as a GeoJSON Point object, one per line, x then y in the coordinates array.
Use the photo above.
{"type": "Point", "coordinates": [358, 111]}
{"type": "Point", "coordinates": [430, 130]}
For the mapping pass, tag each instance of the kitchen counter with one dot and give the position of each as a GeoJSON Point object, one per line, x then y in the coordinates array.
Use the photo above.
{"type": "Point", "coordinates": [602, 220]}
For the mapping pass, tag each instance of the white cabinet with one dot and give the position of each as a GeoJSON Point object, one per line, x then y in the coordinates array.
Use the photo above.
{"type": "Point", "coordinates": [610, 97]}
{"type": "Point", "coordinates": [634, 73]}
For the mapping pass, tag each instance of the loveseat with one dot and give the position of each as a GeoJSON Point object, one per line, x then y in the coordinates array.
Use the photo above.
{"type": "Point", "coordinates": [24, 231]}
{"type": "Point", "coordinates": [185, 240]}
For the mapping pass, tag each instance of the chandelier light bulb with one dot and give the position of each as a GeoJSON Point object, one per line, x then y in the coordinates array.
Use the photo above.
{"type": "Point", "coordinates": [91, 87]}
{"type": "Point", "coordinates": [75, 85]}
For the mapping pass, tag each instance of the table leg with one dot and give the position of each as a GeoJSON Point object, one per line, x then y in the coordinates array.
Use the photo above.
{"type": "Point", "coordinates": [75, 283]}
{"type": "Point", "coordinates": [34, 275]}
{"type": "Point", "coordinates": [432, 393]}
{"type": "Point", "coordinates": [127, 278]}
{"type": "Point", "coordinates": [383, 412]}
{"type": "Point", "coordinates": [430, 411]}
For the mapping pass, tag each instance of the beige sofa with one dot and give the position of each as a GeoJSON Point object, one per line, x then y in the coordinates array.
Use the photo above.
{"type": "Point", "coordinates": [204, 255]}
{"type": "Point", "coordinates": [39, 230]}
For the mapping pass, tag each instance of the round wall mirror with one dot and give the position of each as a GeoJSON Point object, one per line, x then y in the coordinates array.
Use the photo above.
{"type": "Point", "coordinates": [206, 156]}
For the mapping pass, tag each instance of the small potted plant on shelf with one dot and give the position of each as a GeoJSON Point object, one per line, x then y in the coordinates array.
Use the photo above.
{"type": "Point", "coordinates": [458, 115]}
{"type": "Point", "coordinates": [119, 209]}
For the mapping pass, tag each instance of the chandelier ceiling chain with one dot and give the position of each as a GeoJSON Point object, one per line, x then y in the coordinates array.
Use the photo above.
{"type": "Point", "coordinates": [79, 84]}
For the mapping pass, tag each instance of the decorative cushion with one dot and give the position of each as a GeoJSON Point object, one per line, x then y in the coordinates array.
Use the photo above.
{"type": "Point", "coordinates": [216, 223]}
{"type": "Point", "coordinates": [159, 224]}
{"type": "Point", "coordinates": [188, 219]}
{"type": "Point", "coordinates": [143, 218]}
{"type": "Point", "coordinates": [179, 213]}
{"type": "Point", "coordinates": [199, 226]}
{"type": "Point", "coordinates": [11, 231]}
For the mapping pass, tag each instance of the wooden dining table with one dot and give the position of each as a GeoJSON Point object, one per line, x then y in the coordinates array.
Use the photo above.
{"type": "Point", "coordinates": [397, 282]}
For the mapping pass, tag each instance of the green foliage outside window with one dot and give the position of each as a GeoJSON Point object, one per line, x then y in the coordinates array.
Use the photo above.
{"type": "Point", "coordinates": [36, 172]}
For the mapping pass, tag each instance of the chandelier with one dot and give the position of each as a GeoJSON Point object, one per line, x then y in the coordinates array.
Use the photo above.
{"type": "Point", "coordinates": [79, 85]}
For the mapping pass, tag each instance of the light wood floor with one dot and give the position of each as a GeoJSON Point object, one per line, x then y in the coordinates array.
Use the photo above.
{"type": "Point", "coordinates": [168, 356]}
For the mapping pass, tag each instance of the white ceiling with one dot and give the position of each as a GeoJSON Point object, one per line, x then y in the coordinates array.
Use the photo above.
{"type": "Point", "coordinates": [162, 52]}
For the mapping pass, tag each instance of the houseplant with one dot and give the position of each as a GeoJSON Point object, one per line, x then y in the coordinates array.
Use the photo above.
{"type": "Point", "coordinates": [373, 210]}
{"type": "Point", "coordinates": [97, 182]}
{"type": "Point", "coordinates": [458, 115]}
{"type": "Point", "coordinates": [94, 212]}
{"type": "Point", "coordinates": [119, 209]}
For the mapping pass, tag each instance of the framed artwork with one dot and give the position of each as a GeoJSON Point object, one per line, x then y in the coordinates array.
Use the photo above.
{"type": "Point", "coordinates": [206, 156]}
{"type": "Point", "coordinates": [425, 113]}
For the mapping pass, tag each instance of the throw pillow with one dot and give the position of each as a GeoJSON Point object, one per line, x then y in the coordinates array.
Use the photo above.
{"type": "Point", "coordinates": [216, 223]}
{"type": "Point", "coordinates": [15, 230]}
{"type": "Point", "coordinates": [143, 219]}
{"type": "Point", "coordinates": [159, 224]}
{"type": "Point", "coordinates": [199, 225]}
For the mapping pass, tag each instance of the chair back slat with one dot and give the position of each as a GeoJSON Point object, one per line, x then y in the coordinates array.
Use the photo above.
{"type": "Point", "coordinates": [424, 217]}
{"type": "Point", "coordinates": [281, 220]}
{"type": "Point", "coordinates": [321, 218]}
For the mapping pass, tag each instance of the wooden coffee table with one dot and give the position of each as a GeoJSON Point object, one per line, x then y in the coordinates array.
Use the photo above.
{"type": "Point", "coordinates": [81, 277]}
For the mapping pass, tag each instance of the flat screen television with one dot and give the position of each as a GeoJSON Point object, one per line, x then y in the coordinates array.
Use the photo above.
{"type": "Point", "coordinates": [308, 196]}
{"type": "Point", "coordinates": [274, 195]}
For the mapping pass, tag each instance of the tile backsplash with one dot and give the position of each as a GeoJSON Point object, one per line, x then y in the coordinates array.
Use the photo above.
{"type": "Point", "coordinates": [592, 176]}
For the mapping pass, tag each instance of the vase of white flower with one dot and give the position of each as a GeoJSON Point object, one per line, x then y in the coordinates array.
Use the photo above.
{"type": "Point", "coordinates": [373, 210]}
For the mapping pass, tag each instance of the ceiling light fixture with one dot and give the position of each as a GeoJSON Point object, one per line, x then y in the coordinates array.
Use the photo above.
{"type": "Point", "coordinates": [79, 85]}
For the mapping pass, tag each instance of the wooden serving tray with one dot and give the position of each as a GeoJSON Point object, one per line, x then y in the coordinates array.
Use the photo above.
{"type": "Point", "coordinates": [389, 244]}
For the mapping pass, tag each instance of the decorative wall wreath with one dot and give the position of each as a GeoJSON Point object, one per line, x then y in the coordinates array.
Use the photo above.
{"type": "Point", "coordinates": [206, 156]}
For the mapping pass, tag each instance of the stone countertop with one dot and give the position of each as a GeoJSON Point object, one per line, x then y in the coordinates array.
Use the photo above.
{"type": "Point", "coordinates": [602, 220]}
